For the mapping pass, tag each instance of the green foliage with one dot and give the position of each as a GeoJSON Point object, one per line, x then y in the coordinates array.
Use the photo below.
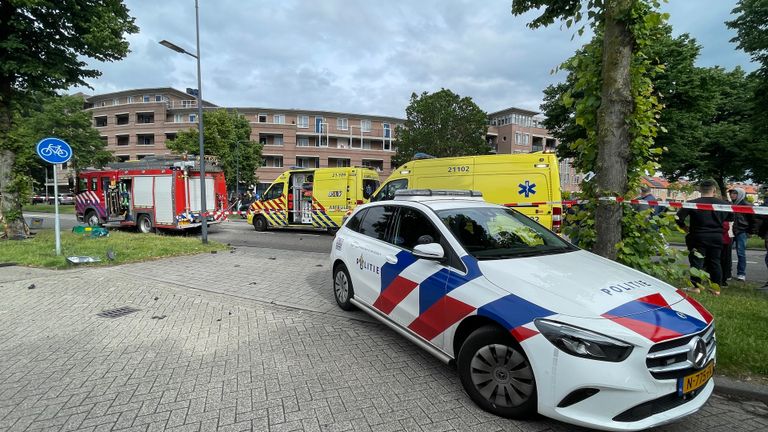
{"type": "Point", "coordinates": [43, 46]}
{"type": "Point", "coordinates": [751, 36]}
{"type": "Point", "coordinates": [227, 136]}
{"type": "Point", "coordinates": [441, 124]}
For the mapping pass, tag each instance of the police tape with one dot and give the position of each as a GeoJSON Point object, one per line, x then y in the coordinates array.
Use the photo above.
{"type": "Point", "coordinates": [728, 208]}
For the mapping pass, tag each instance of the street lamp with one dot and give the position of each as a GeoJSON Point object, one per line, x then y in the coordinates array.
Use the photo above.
{"type": "Point", "coordinates": [178, 49]}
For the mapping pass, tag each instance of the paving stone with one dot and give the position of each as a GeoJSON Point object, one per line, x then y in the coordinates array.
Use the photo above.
{"type": "Point", "coordinates": [227, 358]}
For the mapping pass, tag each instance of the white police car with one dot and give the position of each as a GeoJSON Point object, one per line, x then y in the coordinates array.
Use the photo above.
{"type": "Point", "coordinates": [532, 322]}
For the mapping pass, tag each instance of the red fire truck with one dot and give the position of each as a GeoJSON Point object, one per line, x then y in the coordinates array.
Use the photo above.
{"type": "Point", "coordinates": [150, 193]}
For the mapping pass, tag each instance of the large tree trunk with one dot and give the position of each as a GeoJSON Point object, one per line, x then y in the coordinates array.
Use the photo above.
{"type": "Point", "coordinates": [11, 219]}
{"type": "Point", "coordinates": [613, 133]}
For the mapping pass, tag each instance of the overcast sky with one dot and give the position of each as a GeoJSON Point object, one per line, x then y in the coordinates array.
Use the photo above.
{"type": "Point", "coordinates": [369, 56]}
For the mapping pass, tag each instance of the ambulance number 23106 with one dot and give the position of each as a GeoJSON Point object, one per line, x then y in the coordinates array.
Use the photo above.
{"type": "Point", "coordinates": [458, 169]}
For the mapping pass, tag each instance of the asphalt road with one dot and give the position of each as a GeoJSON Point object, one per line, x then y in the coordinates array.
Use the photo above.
{"type": "Point", "coordinates": [238, 233]}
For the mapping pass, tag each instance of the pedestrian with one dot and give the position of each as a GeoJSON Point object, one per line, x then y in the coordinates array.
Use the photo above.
{"type": "Point", "coordinates": [762, 231]}
{"type": "Point", "coordinates": [743, 225]}
{"type": "Point", "coordinates": [646, 195]}
{"type": "Point", "coordinates": [704, 233]}
{"type": "Point", "coordinates": [726, 256]}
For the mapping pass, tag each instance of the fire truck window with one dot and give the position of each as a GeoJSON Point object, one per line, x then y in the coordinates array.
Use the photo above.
{"type": "Point", "coordinates": [82, 184]}
{"type": "Point", "coordinates": [274, 192]}
{"type": "Point", "coordinates": [104, 183]}
{"type": "Point", "coordinates": [94, 183]}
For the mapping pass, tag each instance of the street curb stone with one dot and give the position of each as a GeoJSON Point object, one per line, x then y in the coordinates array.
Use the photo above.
{"type": "Point", "coordinates": [732, 387]}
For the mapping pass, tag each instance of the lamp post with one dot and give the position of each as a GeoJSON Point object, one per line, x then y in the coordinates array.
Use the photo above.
{"type": "Point", "coordinates": [165, 43]}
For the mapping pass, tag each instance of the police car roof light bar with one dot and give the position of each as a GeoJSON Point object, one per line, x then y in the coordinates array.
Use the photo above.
{"type": "Point", "coordinates": [437, 193]}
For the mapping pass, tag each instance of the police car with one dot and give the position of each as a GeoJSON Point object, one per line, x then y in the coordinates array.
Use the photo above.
{"type": "Point", "coordinates": [531, 322]}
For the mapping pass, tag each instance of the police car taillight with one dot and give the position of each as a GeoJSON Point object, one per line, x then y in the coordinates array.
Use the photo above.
{"type": "Point", "coordinates": [557, 218]}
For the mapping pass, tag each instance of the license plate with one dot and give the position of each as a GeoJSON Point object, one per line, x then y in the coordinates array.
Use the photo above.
{"type": "Point", "coordinates": [183, 222]}
{"type": "Point", "coordinates": [696, 380]}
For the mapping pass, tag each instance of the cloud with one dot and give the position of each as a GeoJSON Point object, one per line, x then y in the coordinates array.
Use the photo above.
{"type": "Point", "coordinates": [362, 57]}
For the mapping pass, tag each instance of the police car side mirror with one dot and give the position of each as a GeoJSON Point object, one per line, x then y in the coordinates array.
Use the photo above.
{"type": "Point", "coordinates": [430, 251]}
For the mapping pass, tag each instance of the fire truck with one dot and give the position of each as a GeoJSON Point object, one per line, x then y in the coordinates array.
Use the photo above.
{"type": "Point", "coordinates": [151, 193]}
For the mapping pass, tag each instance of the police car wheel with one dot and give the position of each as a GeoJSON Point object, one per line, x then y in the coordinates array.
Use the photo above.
{"type": "Point", "coordinates": [342, 287]}
{"type": "Point", "coordinates": [496, 374]}
{"type": "Point", "coordinates": [259, 223]}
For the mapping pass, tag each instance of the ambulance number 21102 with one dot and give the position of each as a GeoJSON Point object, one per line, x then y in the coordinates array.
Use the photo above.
{"type": "Point", "coordinates": [458, 169]}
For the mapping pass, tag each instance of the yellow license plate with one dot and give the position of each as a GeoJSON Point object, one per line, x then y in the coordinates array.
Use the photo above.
{"type": "Point", "coordinates": [183, 222]}
{"type": "Point", "coordinates": [698, 379]}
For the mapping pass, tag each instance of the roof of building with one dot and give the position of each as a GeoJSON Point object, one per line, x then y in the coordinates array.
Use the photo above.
{"type": "Point", "coordinates": [313, 112]}
{"type": "Point", "coordinates": [513, 110]}
{"type": "Point", "coordinates": [130, 92]}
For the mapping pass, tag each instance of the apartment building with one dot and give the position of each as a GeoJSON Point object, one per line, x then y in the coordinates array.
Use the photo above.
{"type": "Point", "coordinates": [515, 130]}
{"type": "Point", "coordinates": [136, 124]}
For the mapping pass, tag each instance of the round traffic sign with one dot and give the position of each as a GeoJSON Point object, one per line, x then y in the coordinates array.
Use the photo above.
{"type": "Point", "coordinates": [54, 150]}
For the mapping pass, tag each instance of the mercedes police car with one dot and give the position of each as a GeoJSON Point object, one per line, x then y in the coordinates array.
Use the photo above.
{"type": "Point", "coordinates": [532, 323]}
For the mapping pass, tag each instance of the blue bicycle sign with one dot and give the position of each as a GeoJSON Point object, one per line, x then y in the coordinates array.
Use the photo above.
{"type": "Point", "coordinates": [54, 150]}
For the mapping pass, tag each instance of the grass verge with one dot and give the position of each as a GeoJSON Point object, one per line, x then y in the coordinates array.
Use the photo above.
{"type": "Point", "coordinates": [39, 251]}
{"type": "Point", "coordinates": [741, 320]}
{"type": "Point", "coordinates": [48, 208]}
{"type": "Point", "coordinates": [753, 242]}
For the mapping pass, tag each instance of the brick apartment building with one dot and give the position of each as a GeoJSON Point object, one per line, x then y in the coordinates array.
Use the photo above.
{"type": "Point", "coordinates": [136, 124]}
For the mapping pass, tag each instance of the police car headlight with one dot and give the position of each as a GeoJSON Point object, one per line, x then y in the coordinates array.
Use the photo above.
{"type": "Point", "coordinates": [583, 343]}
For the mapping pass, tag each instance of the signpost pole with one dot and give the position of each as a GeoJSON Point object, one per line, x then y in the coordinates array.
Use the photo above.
{"type": "Point", "coordinates": [56, 223]}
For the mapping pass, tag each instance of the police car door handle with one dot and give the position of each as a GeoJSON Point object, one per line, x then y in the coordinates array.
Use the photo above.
{"type": "Point", "coordinates": [391, 259]}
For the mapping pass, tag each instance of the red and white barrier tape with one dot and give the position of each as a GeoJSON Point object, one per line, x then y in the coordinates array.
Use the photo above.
{"type": "Point", "coordinates": [729, 208]}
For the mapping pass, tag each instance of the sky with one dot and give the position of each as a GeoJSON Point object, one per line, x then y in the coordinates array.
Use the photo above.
{"type": "Point", "coordinates": [368, 57]}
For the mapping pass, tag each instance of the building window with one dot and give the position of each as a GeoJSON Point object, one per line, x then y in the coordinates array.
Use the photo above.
{"type": "Point", "coordinates": [178, 118]}
{"type": "Point", "coordinates": [122, 140]}
{"type": "Point", "coordinates": [319, 125]}
{"type": "Point", "coordinates": [342, 143]}
{"type": "Point", "coordinates": [121, 119]}
{"type": "Point", "coordinates": [273, 161]}
{"type": "Point", "coordinates": [188, 103]}
{"type": "Point", "coordinates": [115, 101]}
{"type": "Point", "coordinates": [342, 124]}
{"type": "Point", "coordinates": [129, 99]}
{"type": "Point", "coordinates": [142, 156]}
{"type": "Point", "coordinates": [103, 103]}
{"type": "Point", "coordinates": [278, 140]}
{"type": "Point", "coordinates": [122, 158]}
{"type": "Point", "coordinates": [145, 117]}
{"type": "Point", "coordinates": [527, 139]}
{"type": "Point", "coordinates": [366, 144]}
{"type": "Point", "coordinates": [193, 118]}
{"type": "Point", "coordinates": [145, 139]}
{"type": "Point", "coordinates": [377, 165]}
{"type": "Point", "coordinates": [104, 140]}
{"type": "Point", "coordinates": [170, 136]}
{"type": "Point", "coordinates": [518, 138]}
{"type": "Point", "coordinates": [302, 121]}
{"type": "Point", "coordinates": [339, 163]}
{"type": "Point", "coordinates": [262, 118]}
{"type": "Point", "coordinates": [387, 130]}
{"type": "Point", "coordinates": [146, 98]}
{"type": "Point", "coordinates": [388, 145]}
{"type": "Point", "coordinates": [158, 98]}
{"type": "Point", "coordinates": [100, 121]}
{"type": "Point", "coordinates": [302, 142]}
{"type": "Point", "coordinates": [365, 125]}
{"type": "Point", "coordinates": [278, 119]}
{"type": "Point", "coordinates": [307, 162]}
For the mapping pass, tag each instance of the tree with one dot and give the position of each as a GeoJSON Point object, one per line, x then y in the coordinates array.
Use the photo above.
{"type": "Point", "coordinates": [441, 124]}
{"type": "Point", "coordinates": [42, 46]}
{"type": "Point", "coordinates": [228, 137]}
{"type": "Point", "coordinates": [618, 108]}
{"type": "Point", "coordinates": [65, 118]}
{"type": "Point", "coordinates": [752, 37]}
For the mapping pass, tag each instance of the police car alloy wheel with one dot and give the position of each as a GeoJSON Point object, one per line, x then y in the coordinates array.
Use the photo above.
{"type": "Point", "coordinates": [342, 287]}
{"type": "Point", "coordinates": [496, 374]}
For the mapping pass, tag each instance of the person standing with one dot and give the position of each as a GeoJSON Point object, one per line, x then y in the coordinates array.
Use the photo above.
{"type": "Point", "coordinates": [646, 195]}
{"type": "Point", "coordinates": [743, 224]}
{"type": "Point", "coordinates": [704, 237]}
{"type": "Point", "coordinates": [762, 231]}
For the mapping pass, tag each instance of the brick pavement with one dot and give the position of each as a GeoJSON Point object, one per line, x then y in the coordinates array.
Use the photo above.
{"type": "Point", "coordinates": [205, 352]}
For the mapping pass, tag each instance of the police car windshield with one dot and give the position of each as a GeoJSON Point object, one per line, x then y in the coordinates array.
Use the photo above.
{"type": "Point", "coordinates": [489, 233]}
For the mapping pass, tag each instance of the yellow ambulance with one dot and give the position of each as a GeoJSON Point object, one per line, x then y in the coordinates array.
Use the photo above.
{"type": "Point", "coordinates": [528, 182]}
{"type": "Point", "coordinates": [312, 198]}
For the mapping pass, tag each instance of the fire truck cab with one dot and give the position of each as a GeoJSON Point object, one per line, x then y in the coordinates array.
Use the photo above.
{"type": "Point", "coordinates": [149, 194]}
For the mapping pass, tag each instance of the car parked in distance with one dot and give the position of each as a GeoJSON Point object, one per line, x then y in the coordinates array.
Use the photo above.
{"type": "Point", "coordinates": [67, 199]}
{"type": "Point", "coordinates": [531, 322]}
